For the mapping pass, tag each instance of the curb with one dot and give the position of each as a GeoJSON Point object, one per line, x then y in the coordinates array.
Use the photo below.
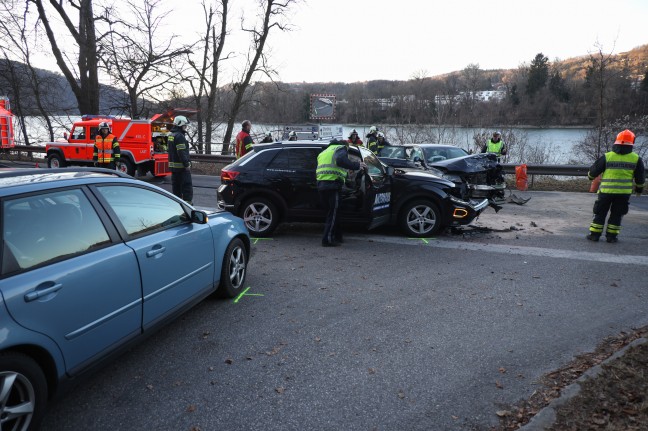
{"type": "Point", "coordinates": [547, 416]}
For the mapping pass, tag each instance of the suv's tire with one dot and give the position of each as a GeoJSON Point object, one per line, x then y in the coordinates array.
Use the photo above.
{"type": "Point", "coordinates": [126, 166]}
{"type": "Point", "coordinates": [420, 219]}
{"type": "Point", "coordinates": [55, 161]}
{"type": "Point", "coordinates": [260, 216]}
{"type": "Point", "coordinates": [234, 269]}
{"type": "Point", "coordinates": [23, 384]}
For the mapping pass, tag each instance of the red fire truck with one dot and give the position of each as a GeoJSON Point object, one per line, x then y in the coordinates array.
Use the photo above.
{"type": "Point", "coordinates": [143, 143]}
{"type": "Point", "coordinates": [6, 124]}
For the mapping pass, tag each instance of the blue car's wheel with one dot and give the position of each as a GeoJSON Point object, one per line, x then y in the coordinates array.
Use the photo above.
{"type": "Point", "coordinates": [23, 392]}
{"type": "Point", "coordinates": [234, 269]}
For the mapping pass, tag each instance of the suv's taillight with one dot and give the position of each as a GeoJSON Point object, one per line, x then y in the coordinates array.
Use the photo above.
{"type": "Point", "coordinates": [228, 175]}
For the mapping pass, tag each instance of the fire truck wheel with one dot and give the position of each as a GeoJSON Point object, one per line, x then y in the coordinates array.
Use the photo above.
{"type": "Point", "coordinates": [126, 166]}
{"type": "Point", "coordinates": [55, 161]}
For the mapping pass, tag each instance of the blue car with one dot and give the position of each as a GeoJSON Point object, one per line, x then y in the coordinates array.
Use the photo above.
{"type": "Point", "coordinates": [92, 259]}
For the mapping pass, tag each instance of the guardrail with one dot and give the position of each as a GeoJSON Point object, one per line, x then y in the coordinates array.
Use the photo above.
{"type": "Point", "coordinates": [509, 168]}
{"type": "Point", "coordinates": [566, 170]}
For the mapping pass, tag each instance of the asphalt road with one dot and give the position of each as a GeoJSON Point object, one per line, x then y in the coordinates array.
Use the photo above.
{"type": "Point", "coordinates": [383, 333]}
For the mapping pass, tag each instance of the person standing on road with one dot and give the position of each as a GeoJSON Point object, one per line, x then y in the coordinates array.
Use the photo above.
{"type": "Point", "coordinates": [267, 139]}
{"type": "Point", "coordinates": [106, 152]}
{"type": "Point", "coordinates": [354, 139]}
{"type": "Point", "coordinates": [618, 168]}
{"type": "Point", "coordinates": [179, 161]}
{"type": "Point", "coordinates": [372, 137]}
{"type": "Point", "coordinates": [381, 143]}
{"type": "Point", "coordinates": [244, 141]}
{"type": "Point", "coordinates": [495, 145]}
{"type": "Point", "coordinates": [331, 173]}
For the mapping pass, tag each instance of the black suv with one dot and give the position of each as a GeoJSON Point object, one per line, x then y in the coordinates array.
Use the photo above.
{"type": "Point", "coordinates": [276, 182]}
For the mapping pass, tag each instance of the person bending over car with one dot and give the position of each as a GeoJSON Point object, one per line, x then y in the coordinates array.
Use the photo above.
{"type": "Point", "coordinates": [332, 165]}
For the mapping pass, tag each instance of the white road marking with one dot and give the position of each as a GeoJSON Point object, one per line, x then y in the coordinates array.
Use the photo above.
{"type": "Point", "coordinates": [518, 250]}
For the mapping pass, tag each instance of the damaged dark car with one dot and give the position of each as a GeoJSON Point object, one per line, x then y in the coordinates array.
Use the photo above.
{"type": "Point", "coordinates": [476, 176]}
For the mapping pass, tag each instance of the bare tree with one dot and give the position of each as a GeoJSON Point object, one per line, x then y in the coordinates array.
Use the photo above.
{"type": "Point", "coordinates": [84, 80]}
{"type": "Point", "coordinates": [133, 55]}
{"type": "Point", "coordinates": [600, 74]}
{"type": "Point", "coordinates": [272, 13]}
{"type": "Point", "coordinates": [207, 70]}
{"type": "Point", "coordinates": [16, 29]}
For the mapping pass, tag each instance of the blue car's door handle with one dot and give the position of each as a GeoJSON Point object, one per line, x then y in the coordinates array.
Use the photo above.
{"type": "Point", "coordinates": [39, 293]}
{"type": "Point", "coordinates": [155, 251]}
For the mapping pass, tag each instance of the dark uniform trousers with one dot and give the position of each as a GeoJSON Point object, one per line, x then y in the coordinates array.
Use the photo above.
{"type": "Point", "coordinates": [181, 185]}
{"type": "Point", "coordinates": [616, 204]}
{"type": "Point", "coordinates": [330, 201]}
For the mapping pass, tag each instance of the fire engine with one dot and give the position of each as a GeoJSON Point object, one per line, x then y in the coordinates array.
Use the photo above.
{"type": "Point", "coordinates": [6, 124]}
{"type": "Point", "coordinates": [142, 143]}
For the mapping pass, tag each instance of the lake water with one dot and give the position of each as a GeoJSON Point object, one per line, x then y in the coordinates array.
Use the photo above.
{"type": "Point", "coordinates": [558, 141]}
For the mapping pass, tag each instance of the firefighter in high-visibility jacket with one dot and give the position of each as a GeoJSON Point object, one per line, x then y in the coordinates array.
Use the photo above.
{"type": "Point", "coordinates": [618, 169]}
{"type": "Point", "coordinates": [179, 161]}
{"type": "Point", "coordinates": [331, 173]}
{"type": "Point", "coordinates": [105, 153]}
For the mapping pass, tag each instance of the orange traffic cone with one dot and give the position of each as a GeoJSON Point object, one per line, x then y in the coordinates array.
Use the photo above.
{"type": "Point", "coordinates": [595, 185]}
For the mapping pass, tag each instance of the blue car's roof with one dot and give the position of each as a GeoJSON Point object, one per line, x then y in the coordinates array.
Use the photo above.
{"type": "Point", "coordinates": [15, 177]}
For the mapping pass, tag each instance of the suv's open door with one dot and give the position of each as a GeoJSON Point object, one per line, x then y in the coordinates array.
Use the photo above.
{"type": "Point", "coordinates": [375, 189]}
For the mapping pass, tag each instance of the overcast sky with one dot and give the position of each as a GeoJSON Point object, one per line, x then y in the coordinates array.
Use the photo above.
{"type": "Point", "coordinates": [361, 40]}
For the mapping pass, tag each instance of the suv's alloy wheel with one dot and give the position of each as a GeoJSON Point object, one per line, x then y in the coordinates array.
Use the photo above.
{"type": "Point", "coordinates": [260, 216]}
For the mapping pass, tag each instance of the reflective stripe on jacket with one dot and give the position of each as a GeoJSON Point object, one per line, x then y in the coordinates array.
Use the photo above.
{"type": "Point", "coordinates": [178, 151]}
{"type": "Point", "coordinates": [242, 148]}
{"type": "Point", "coordinates": [327, 169]}
{"type": "Point", "coordinates": [106, 149]}
{"type": "Point", "coordinates": [618, 174]}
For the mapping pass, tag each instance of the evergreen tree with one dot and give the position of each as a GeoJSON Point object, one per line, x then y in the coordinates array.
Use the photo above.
{"type": "Point", "coordinates": [538, 74]}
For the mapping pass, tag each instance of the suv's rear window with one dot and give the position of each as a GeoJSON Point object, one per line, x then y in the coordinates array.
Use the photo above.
{"type": "Point", "coordinates": [299, 159]}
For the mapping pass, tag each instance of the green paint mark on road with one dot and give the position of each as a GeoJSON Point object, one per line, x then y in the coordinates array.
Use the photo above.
{"type": "Point", "coordinates": [425, 240]}
{"type": "Point", "coordinates": [260, 239]}
{"type": "Point", "coordinates": [244, 293]}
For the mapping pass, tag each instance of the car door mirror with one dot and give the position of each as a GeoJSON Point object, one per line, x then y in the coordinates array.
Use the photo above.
{"type": "Point", "coordinates": [199, 217]}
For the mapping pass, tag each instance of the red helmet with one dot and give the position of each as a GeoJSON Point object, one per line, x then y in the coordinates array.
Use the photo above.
{"type": "Point", "coordinates": [625, 138]}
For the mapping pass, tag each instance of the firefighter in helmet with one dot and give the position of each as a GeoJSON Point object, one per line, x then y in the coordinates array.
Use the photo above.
{"type": "Point", "coordinates": [618, 168]}
{"type": "Point", "coordinates": [179, 161]}
{"type": "Point", "coordinates": [372, 137]}
{"type": "Point", "coordinates": [292, 136]}
{"type": "Point", "coordinates": [354, 139]}
{"type": "Point", "coordinates": [106, 152]}
{"type": "Point", "coordinates": [381, 143]}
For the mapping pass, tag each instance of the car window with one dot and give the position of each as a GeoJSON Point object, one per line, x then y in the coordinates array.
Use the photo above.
{"type": "Point", "coordinates": [94, 131]}
{"type": "Point", "coordinates": [256, 159]}
{"type": "Point", "coordinates": [78, 133]}
{"type": "Point", "coordinates": [46, 227]}
{"type": "Point", "coordinates": [296, 159]}
{"type": "Point", "coordinates": [141, 210]}
{"type": "Point", "coordinates": [374, 167]}
{"type": "Point", "coordinates": [393, 152]}
{"type": "Point", "coordinates": [416, 152]}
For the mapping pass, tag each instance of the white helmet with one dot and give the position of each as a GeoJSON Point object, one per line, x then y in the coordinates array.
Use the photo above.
{"type": "Point", "coordinates": [373, 129]}
{"type": "Point", "coordinates": [380, 135]}
{"type": "Point", "coordinates": [292, 133]}
{"type": "Point", "coordinates": [104, 125]}
{"type": "Point", "coordinates": [180, 121]}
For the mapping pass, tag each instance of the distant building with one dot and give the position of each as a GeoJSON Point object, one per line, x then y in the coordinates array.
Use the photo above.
{"type": "Point", "coordinates": [482, 96]}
